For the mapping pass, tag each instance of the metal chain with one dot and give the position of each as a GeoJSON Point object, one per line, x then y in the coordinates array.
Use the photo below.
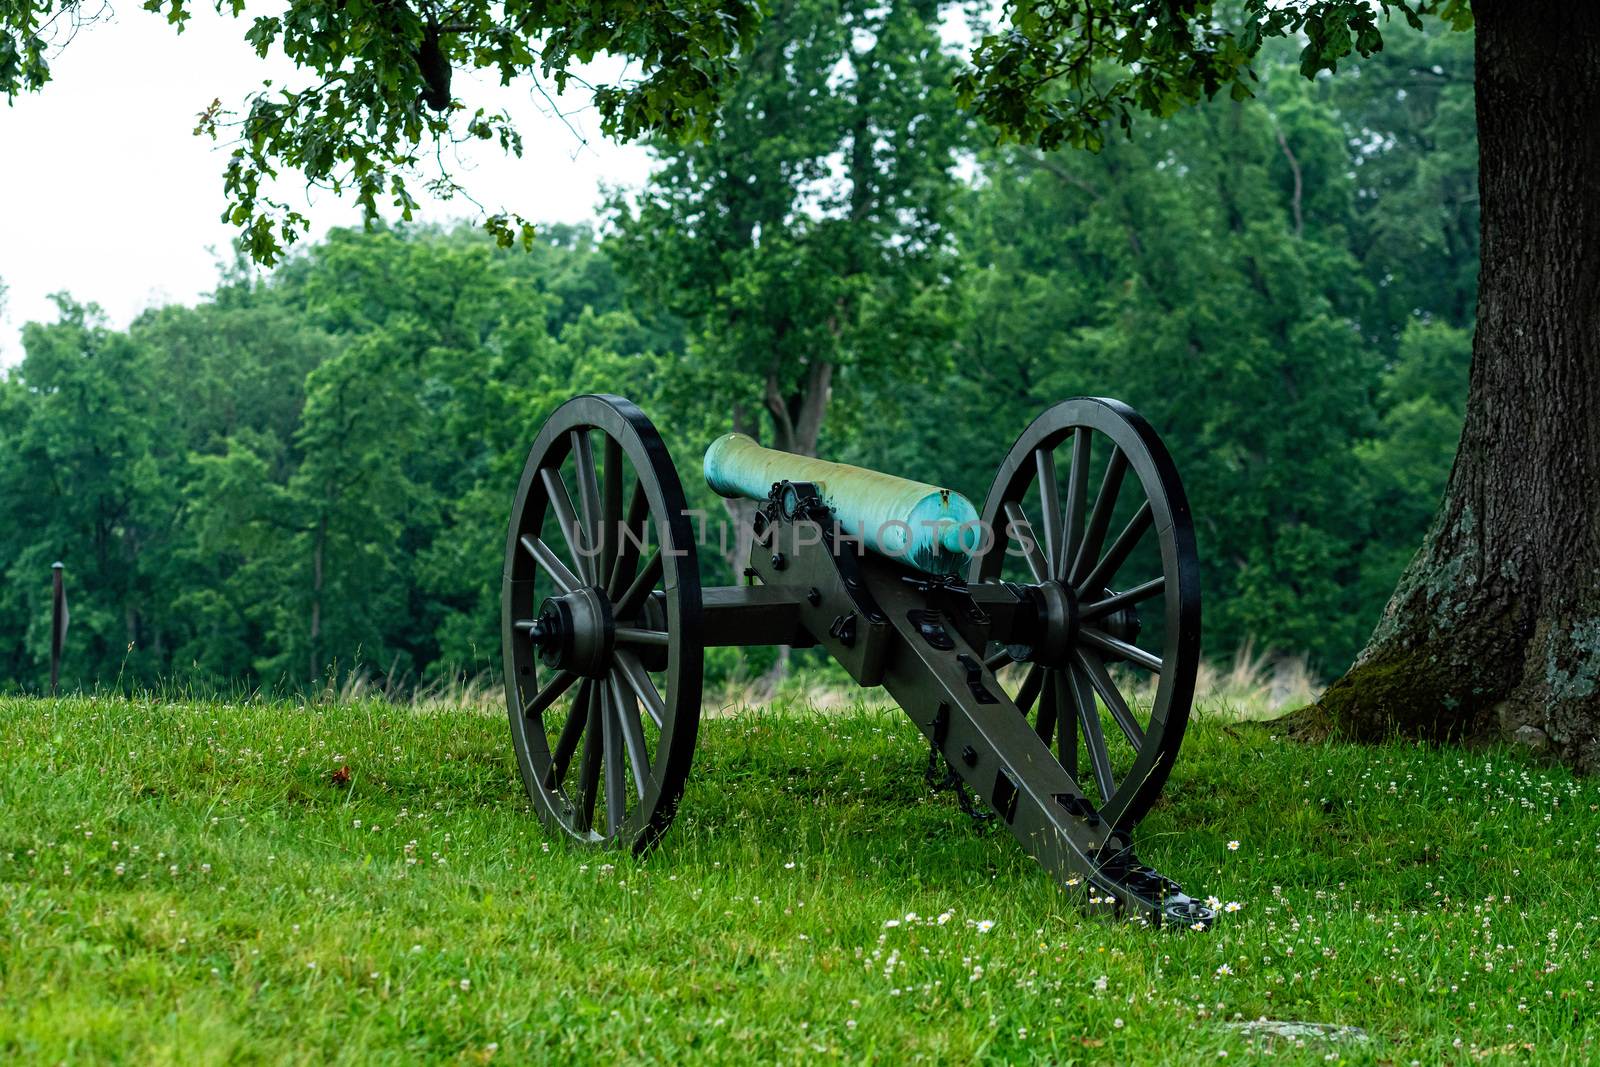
{"type": "Point", "coordinates": [951, 780]}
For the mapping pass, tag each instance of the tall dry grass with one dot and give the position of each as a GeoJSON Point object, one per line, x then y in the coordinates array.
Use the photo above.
{"type": "Point", "coordinates": [1256, 684]}
{"type": "Point", "coordinates": [458, 692]}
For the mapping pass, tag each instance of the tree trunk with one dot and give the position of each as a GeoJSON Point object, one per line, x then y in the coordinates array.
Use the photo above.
{"type": "Point", "coordinates": [315, 636]}
{"type": "Point", "coordinates": [1494, 630]}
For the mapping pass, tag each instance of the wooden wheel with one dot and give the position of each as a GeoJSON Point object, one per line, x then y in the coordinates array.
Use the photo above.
{"type": "Point", "coordinates": [600, 624]}
{"type": "Point", "coordinates": [1110, 564]}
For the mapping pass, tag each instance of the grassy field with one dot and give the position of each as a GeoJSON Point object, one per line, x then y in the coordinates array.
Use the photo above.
{"type": "Point", "coordinates": [188, 882]}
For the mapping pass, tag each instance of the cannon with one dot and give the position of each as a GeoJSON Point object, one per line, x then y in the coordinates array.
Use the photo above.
{"type": "Point", "coordinates": [1046, 645]}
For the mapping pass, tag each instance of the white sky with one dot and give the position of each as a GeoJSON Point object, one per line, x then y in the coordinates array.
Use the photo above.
{"type": "Point", "coordinates": [106, 193]}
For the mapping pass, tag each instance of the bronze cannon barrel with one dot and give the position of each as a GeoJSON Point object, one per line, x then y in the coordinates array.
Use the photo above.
{"type": "Point", "coordinates": [932, 529]}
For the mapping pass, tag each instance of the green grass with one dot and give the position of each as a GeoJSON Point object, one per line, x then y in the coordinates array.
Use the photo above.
{"type": "Point", "coordinates": [185, 881]}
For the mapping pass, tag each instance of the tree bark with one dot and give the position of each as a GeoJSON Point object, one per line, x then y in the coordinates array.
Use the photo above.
{"type": "Point", "coordinates": [1494, 629]}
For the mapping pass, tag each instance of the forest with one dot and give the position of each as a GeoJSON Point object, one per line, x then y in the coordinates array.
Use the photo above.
{"type": "Point", "coordinates": [307, 475]}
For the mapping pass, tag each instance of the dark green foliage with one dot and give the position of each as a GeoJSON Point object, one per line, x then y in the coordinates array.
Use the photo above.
{"type": "Point", "coordinates": [1074, 73]}
{"type": "Point", "coordinates": [303, 478]}
{"type": "Point", "coordinates": [311, 475]}
{"type": "Point", "coordinates": [1235, 273]}
{"type": "Point", "coordinates": [807, 241]}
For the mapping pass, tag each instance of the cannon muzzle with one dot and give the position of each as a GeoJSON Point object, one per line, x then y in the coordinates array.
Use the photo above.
{"type": "Point", "coordinates": [931, 529]}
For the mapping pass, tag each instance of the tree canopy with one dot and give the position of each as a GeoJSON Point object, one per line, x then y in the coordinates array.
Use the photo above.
{"type": "Point", "coordinates": [377, 107]}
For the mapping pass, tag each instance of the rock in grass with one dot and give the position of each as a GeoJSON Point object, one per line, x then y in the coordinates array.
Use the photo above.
{"type": "Point", "coordinates": [1295, 1030]}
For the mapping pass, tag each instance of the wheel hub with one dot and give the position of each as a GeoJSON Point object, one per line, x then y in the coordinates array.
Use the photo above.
{"type": "Point", "coordinates": [575, 632]}
{"type": "Point", "coordinates": [1057, 618]}
{"type": "Point", "coordinates": [1123, 624]}
{"type": "Point", "coordinates": [1055, 613]}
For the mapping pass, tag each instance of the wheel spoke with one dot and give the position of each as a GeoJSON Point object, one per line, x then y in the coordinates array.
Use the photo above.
{"type": "Point", "coordinates": [999, 659]}
{"type": "Point", "coordinates": [555, 487]}
{"type": "Point", "coordinates": [610, 510]}
{"type": "Point", "coordinates": [589, 766]}
{"type": "Point", "coordinates": [1107, 568]}
{"type": "Point", "coordinates": [1077, 499]}
{"type": "Point", "coordinates": [589, 503]}
{"type": "Point", "coordinates": [1093, 666]}
{"type": "Point", "coordinates": [1045, 724]}
{"type": "Point", "coordinates": [1050, 504]}
{"type": "Point", "coordinates": [616, 787]}
{"type": "Point", "coordinates": [567, 743]}
{"type": "Point", "coordinates": [1066, 727]}
{"type": "Point", "coordinates": [629, 545]}
{"type": "Point", "coordinates": [1020, 530]}
{"type": "Point", "coordinates": [1093, 738]}
{"type": "Point", "coordinates": [1100, 518]}
{"type": "Point", "coordinates": [560, 683]}
{"type": "Point", "coordinates": [632, 635]}
{"type": "Point", "coordinates": [632, 732]}
{"type": "Point", "coordinates": [1132, 653]}
{"type": "Point", "coordinates": [1125, 599]}
{"type": "Point", "coordinates": [552, 564]}
{"type": "Point", "coordinates": [1029, 692]}
{"type": "Point", "coordinates": [638, 680]}
{"type": "Point", "coordinates": [628, 605]}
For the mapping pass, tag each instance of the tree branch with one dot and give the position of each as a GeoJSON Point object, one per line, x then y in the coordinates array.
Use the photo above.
{"type": "Point", "coordinates": [1294, 166]}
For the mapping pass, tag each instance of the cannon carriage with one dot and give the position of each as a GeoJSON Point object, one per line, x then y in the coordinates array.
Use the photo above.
{"type": "Point", "coordinates": [1046, 646]}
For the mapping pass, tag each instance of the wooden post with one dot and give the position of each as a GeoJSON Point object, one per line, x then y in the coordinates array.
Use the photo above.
{"type": "Point", "coordinates": [58, 624]}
